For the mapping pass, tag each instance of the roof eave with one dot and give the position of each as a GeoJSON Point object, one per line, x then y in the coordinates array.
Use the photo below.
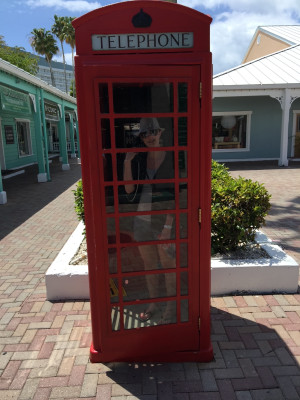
{"type": "Point", "coordinates": [26, 76]}
{"type": "Point", "coordinates": [257, 87]}
{"type": "Point", "coordinates": [255, 90]}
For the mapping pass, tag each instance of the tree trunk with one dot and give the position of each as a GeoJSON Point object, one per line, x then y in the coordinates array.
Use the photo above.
{"type": "Point", "coordinates": [64, 61]}
{"type": "Point", "coordinates": [51, 74]}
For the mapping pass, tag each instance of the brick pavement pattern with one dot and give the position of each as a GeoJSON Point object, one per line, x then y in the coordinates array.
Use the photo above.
{"type": "Point", "coordinates": [44, 346]}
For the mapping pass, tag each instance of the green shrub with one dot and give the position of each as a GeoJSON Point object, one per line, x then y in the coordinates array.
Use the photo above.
{"type": "Point", "coordinates": [79, 207]}
{"type": "Point", "coordinates": [239, 207]}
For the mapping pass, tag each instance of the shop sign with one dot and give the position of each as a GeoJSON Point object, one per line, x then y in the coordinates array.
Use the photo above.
{"type": "Point", "coordinates": [143, 41]}
{"type": "Point", "coordinates": [51, 112]}
{"type": "Point", "coordinates": [9, 134]}
{"type": "Point", "coordinates": [14, 101]}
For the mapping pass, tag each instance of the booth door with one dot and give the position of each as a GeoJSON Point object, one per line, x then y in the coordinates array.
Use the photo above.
{"type": "Point", "coordinates": [149, 167]}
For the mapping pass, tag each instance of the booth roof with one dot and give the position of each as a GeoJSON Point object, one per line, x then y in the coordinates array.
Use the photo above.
{"type": "Point", "coordinates": [136, 4]}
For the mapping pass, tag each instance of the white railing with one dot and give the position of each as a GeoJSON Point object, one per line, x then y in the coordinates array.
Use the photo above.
{"type": "Point", "coordinates": [55, 147]}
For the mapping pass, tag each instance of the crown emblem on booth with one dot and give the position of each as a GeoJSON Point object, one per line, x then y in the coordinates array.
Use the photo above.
{"type": "Point", "coordinates": [141, 20]}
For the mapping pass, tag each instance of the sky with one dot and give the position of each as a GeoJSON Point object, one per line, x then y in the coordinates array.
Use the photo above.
{"type": "Point", "coordinates": [234, 22]}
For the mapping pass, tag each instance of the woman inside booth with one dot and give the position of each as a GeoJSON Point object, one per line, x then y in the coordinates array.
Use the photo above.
{"type": "Point", "coordinates": [143, 166]}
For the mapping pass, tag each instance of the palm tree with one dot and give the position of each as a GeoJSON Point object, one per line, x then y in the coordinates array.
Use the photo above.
{"type": "Point", "coordinates": [69, 33]}
{"type": "Point", "coordinates": [44, 44]}
{"type": "Point", "coordinates": [2, 41]}
{"type": "Point", "coordinates": [58, 31]}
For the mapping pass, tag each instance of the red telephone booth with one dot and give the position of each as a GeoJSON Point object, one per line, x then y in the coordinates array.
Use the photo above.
{"type": "Point", "coordinates": [143, 80]}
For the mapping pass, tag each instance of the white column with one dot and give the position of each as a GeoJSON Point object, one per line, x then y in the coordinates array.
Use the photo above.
{"type": "Point", "coordinates": [285, 105]}
{"type": "Point", "coordinates": [3, 197]}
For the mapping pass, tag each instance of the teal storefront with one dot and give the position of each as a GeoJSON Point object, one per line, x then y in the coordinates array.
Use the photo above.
{"type": "Point", "coordinates": [32, 113]}
{"type": "Point", "coordinates": [17, 128]}
{"type": "Point", "coordinates": [246, 128]}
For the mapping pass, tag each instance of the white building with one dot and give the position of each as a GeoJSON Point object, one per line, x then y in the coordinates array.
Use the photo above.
{"type": "Point", "coordinates": [256, 105]}
{"type": "Point", "coordinates": [58, 72]}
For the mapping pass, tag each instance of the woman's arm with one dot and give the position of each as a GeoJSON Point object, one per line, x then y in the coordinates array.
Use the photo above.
{"type": "Point", "coordinates": [127, 172]}
{"type": "Point", "coordinates": [167, 228]}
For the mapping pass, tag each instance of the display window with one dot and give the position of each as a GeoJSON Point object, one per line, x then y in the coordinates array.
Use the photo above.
{"type": "Point", "coordinates": [231, 131]}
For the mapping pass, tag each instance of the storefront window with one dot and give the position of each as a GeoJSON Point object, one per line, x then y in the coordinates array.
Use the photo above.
{"type": "Point", "coordinates": [230, 131]}
{"type": "Point", "coordinates": [24, 140]}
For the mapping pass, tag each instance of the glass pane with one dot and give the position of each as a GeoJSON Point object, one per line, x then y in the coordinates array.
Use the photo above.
{"type": "Point", "coordinates": [153, 197]}
{"type": "Point", "coordinates": [112, 260]}
{"type": "Point", "coordinates": [183, 195]}
{"type": "Point", "coordinates": [146, 228]}
{"type": "Point", "coordinates": [114, 291]}
{"type": "Point", "coordinates": [149, 286]}
{"type": "Point", "coordinates": [115, 318]}
{"type": "Point", "coordinates": [148, 257]}
{"type": "Point", "coordinates": [182, 131]}
{"type": "Point", "coordinates": [164, 313]}
{"type": "Point", "coordinates": [143, 166]}
{"type": "Point", "coordinates": [107, 167]}
{"type": "Point", "coordinates": [111, 230]}
{"type": "Point", "coordinates": [142, 97]}
{"type": "Point", "coordinates": [183, 226]}
{"type": "Point", "coordinates": [183, 255]}
{"type": "Point", "coordinates": [182, 164]}
{"type": "Point", "coordinates": [182, 96]}
{"type": "Point", "coordinates": [184, 283]}
{"type": "Point", "coordinates": [184, 310]}
{"type": "Point", "coordinates": [109, 199]}
{"type": "Point", "coordinates": [105, 133]}
{"type": "Point", "coordinates": [103, 95]}
{"type": "Point", "coordinates": [127, 132]}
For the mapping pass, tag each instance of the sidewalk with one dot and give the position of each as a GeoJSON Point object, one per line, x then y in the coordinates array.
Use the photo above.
{"type": "Point", "coordinates": [44, 347]}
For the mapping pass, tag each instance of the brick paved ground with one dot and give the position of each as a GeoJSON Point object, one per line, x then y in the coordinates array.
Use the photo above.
{"type": "Point", "coordinates": [44, 346]}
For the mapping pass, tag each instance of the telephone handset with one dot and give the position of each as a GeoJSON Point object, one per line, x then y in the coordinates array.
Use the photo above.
{"type": "Point", "coordinates": [133, 141]}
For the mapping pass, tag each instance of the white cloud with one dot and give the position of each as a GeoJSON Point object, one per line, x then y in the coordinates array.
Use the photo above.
{"type": "Point", "coordinates": [68, 58]}
{"type": "Point", "coordinates": [256, 6]}
{"type": "Point", "coordinates": [231, 34]}
{"type": "Point", "coordinates": [70, 5]}
{"type": "Point", "coordinates": [235, 21]}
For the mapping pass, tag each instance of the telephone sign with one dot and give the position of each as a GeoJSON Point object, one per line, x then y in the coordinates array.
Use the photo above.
{"type": "Point", "coordinates": [175, 40]}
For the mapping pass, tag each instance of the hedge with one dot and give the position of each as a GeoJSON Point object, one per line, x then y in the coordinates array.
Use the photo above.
{"type": "Point", "coordinates": [238, 208]}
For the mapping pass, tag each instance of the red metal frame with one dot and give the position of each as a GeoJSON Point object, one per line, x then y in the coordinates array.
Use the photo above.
{"type": "Point", "coordinates": [153, 343]}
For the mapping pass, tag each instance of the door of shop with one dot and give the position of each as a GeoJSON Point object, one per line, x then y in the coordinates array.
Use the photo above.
{"type": "Point", "coordinates": [297, 138]}
{"type": "Point", "coordinates": [2, 158]}
{"type": "Point", "coordinates": [151, 235]}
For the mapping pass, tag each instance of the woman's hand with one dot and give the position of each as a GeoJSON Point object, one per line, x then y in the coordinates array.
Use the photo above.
{"type": "Point", "coordinates": [130, 156]}
{"type": "Point", "coordinates": [165, 234]}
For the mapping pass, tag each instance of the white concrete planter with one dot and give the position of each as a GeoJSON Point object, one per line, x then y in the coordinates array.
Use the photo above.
{"type": "Point", "coordinates": [65, 281]}
{"type": "Point", "coordinates": [279, 273]}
